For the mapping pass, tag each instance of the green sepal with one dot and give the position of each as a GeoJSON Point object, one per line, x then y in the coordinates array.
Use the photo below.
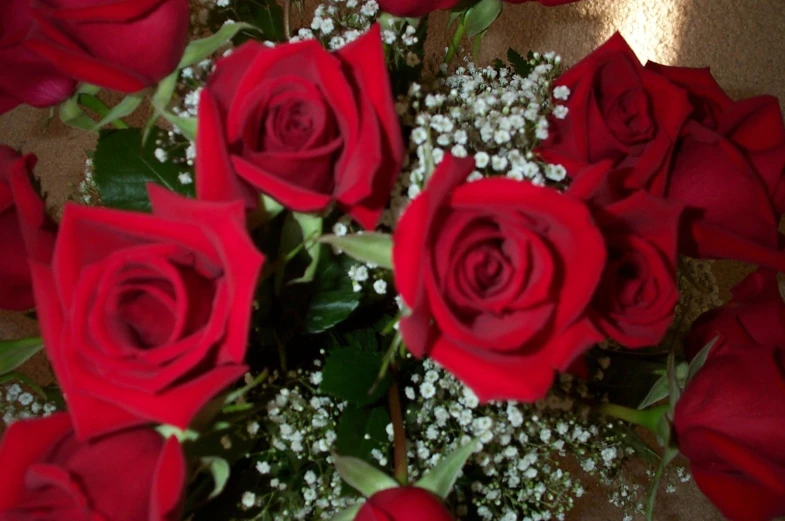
{"type": "Point", "coordinates": [363, 477]}
{"type": "Point", "coordinates": [441, 479]}
{"type": "Point", "coordinates": [220, 470]}
{"type": "Point", "coordinates": [481, 15]}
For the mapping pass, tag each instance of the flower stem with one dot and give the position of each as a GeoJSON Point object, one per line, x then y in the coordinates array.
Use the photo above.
{"type": "Point", "coordinates": [456, 40]}
{"type": "Point", "coordinates": [399, 435]}
{"type": "Point", "coordinates": [287, 9]}
{"type": "Point", "coordinates": [96, 105]}
{"type": "Point", "coordinates": [648, 418]}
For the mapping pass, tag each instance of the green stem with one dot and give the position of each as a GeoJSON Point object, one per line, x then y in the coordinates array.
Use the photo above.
{"type": "Point", "coordinates": [648, 418]}
{"type": "Point", "coordinates": [96, 105]}
{"type": "Point", "coordinates": [456, 41]}
{"type": "Point", "coordinates": [399, 435]}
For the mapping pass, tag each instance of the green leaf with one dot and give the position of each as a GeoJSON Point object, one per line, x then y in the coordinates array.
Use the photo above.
{"type": "Point", "coordinates": [442, 477]}
{"type": "Point", "coordinates": [122, 109]}
{"type": "Point", "coordinates": [265, 15]}
{"type": "Point", "coordinates": [674, 386]}
{"type": "Point", "coordinates": [72, 115]}
{"type": "Point", "coordinates": [518, 62]}
{"type": "Point", "coordinates": [480, 16]}
{"type": "Point", "coordinates": [220, 470]}
{"type": "Point", "coordinates": [476, 43]}
{"type": "Point", "coordinates": [369, 247]}
{"type": "Point", "coordinates": [186, 126]}
{"type": "Point", "coordinates": [660, 390]}
{"type": "Point", "coordinates": [311, 228]}
{"type": "Point", "coordinates": [361, 429]}
{"type": "Point", "coordinates": [350, 374]}
{"type": "Point", "coordinates": [14, 353]}
{"type": "Point", "coordinates": [347, 514]}
{"type": "Point", "coordinates": [700, 359]}
{"type": "Point", "coordinates": [123, 168]}
{"type": "Point", "coordinates": [334, 297]}
{"type": "Point", "coordinates": [200, 49]}
{"type": "Point", "coordinates": [366, 479]}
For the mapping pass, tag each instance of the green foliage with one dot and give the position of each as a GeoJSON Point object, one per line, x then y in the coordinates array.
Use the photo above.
{"type": "Point", "coordinates": [266, 15]}
{"type": "Point", "coordinates": [372, 247]}
{"type": "Point", "coordinates": [441, 479]}
{"type": "Point", "coordinates": [333, 298]}
{"type": "Point", "coordinates": [362, 429]}
{"type": "Point", "coordinates": [14, 353]}
{"type": "Point", "coordinates": [219, 469]}
{"type": "Point", "coordinates": [366, 479]}
{"type": "Point", "coordinates": [350, 373]}
{"type": "Point", "coordinates": [123, 167]}
{"type": "Point", "coordinates": [481, 15]}
{"type": "Point", "coordinates": [522, 65]}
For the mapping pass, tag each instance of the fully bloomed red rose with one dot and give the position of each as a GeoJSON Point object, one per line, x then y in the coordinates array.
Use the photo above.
{"type": "Point", "coordinates": [145, 317]}
{"type": "Point", "coordinates": [404, 504]}
{"type": "Point", "coordinates": [498, 275]}
{"type": "Point", "coordinates": [48, 473]}
{"type": "Point", "coordinates": [730, 178]}
{"type": "Point", "coordinates": [618, 111]}
{"type": "Point", "coordinates": [125, 45]}
{"type": "Point", "coordinates": [302, 125]}
{"type": "Point", "coordinates": [26, 78]}
{"type": "Point", "coordinates": [730, 418]}
{"type": "Point", "coordinates": [635, 300]}
{"type": "Point", "coordinates": [26, 230]}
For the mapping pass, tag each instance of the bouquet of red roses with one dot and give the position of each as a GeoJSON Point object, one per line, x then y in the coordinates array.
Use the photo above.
{"type": "Point", "coordinates": [335, 277]}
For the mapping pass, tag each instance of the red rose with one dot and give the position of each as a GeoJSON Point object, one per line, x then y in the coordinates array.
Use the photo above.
{"type": "Point", "coordinates": [48, 473]}
{"type": "Point", "coordinates": [618, 111]}
{"type": "Point", "coordinates": [27, 77]}
{"type": "Point", "coordinates": [303, 125]}
{"type": "Point", "coordinates": [730, 418]}
{"type": "Point", "coordinates": [498, 275]}
{"type": "Point", "coordinates": [731, 180]}
{"type": "Point", "coordinates": [404, 504]}
{"type": "Point", "coordinates": [413, 8]}
{"type": "Point", "coordinates": [124, 45]}
{"type": "Point", "coordinates": [635, 301]}
{"type": "Point", "coordinates": [705, 95]}
{"type": "Point", "coordinates": [26, 231]}
{"type": "Point", "coordinates": [145, 317]}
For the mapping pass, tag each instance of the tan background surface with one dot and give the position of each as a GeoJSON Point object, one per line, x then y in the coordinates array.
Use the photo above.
{"type": "Point", "coordinates": [742, 41]}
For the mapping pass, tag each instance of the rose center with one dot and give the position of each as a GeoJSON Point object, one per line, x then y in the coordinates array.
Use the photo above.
{"type": "Point", "coordinates": [146, 318]}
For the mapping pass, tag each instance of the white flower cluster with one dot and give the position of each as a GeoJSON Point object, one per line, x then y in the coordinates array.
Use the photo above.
{"type": "Point", "coordinates": [339, 22]}
{"type": "Point", "coordinates": [296, 469]}
{"type": "Point", "coordinates": [492, 114]}
{"type": "Point", "coordinates": [17, 403]}
{"type": "Point", "coordinates": [520, 470]}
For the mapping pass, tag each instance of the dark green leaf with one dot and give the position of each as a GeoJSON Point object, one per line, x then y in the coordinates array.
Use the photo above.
{"type": "Point", "coordinates": [267, 15]}
{"type": "Point", "coordinates": [14, 353]}
{"type": "Point", "coordinates": [362, 429]}
{"type": "Point", "coordinates": [334, 298]}
{"type": "Point", "coordinates": [350, 374]}
{"type": "Point", "coordinates": [518, 62]}
{"type": "Point", "coordinates": [123, 168]}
